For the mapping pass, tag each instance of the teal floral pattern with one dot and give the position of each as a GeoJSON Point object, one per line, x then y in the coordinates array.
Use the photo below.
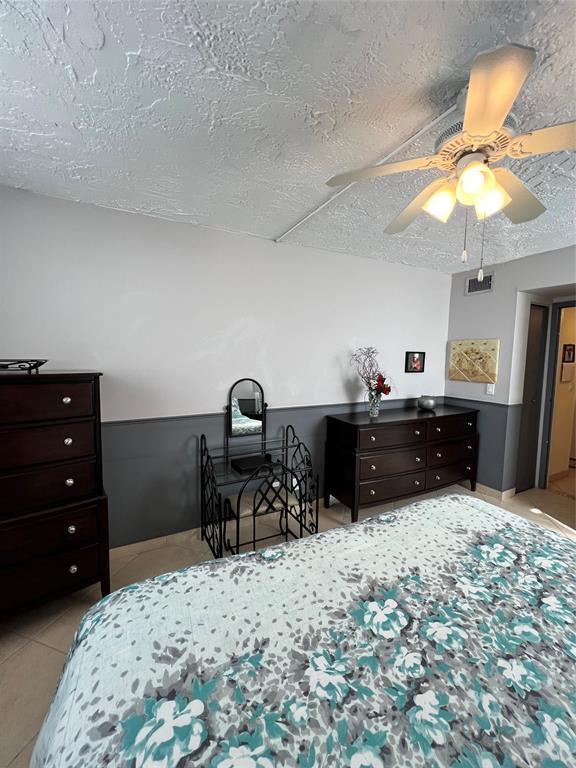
{"type": "Point", "coordinates": [443, 636]}
{"type": "Point", "coordinates": [167, 731]}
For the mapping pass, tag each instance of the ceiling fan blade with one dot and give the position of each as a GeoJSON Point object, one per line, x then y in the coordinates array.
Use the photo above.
{"type": "Point", "coordinates": [555, 138]}
{"type": "Point", "coordinates": [495, 81]}
{"type": "Point", "coordinates": [373, 171]}
{"type": "Point", "coordinates": [524, 206]}
{"type": "Point", "coordinates": [414, 208]}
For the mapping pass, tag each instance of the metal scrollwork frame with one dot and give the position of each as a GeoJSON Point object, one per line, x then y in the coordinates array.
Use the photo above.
{"type": "Point", "coordinates": [299, 459]}
{"type": "Point", "coordinates": [210, 502]}
{"type": "Point", "coordinates": [287, 487]}
{"type": "Point", "coordinates": [274, 494]}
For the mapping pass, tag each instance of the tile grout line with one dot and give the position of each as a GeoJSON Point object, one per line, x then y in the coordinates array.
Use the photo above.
{"type": "Point", "coordinates": [51, 647]}
{"type": "Point", "coordinates": [12, 762]}
{"type": "Point", "coordinates": [27, 641]}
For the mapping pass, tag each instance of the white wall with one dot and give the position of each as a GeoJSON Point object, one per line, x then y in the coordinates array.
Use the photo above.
{"type": "Point", "coordinates": [172, 314]}
{"type": "Point", "coordinates": [503, 314]}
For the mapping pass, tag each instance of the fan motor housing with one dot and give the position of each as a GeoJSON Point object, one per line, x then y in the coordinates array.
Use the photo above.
{"type": "Point", "coordinates": [454, 143]}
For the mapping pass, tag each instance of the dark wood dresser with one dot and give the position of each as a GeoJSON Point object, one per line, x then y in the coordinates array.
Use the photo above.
{"type": "Point", "coordinates": [402, 452]}
{"type": "Point", "coordinates": [53, 511]}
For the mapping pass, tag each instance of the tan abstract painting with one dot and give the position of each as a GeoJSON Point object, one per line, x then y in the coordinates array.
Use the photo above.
{"type": "Point", "coordinates": [474, 360]}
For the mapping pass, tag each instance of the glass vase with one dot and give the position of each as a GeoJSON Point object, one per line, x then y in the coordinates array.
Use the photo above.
{"type": "Point", "coordinates": [374, 399]}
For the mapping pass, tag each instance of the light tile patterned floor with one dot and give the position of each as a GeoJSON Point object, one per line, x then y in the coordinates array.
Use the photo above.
{"type": "Point", "coordinates": [33, 644]}
{"type": "Point", "coordinates": [565, 485]}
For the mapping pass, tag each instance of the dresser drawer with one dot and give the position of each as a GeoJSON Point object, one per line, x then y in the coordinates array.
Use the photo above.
{"type": "Point", "coordinates": [44, 402]}
{"type": "Point", "coordinates": [38, 445]}
{"type": "Point", "coordinates": [45, 576]}
{"type": "Point", "coordinates": [382, 464]}
{"type": "Point", "coordinates": [448, 453]}
{"type": "Point", "coordinates": [394, 434]}
{"type": "Point", "coordinates": [47, 486]}
{"type": "Point", "coordinates": [449, 474]}
{"type": "Point", "coordinates": [453, 426]}
{"type": "Point", "coordinates": [402, 485]}
{"type": "Point", "coordinates": [41, 534]}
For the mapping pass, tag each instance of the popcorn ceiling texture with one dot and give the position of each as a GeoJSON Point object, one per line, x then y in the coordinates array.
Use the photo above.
{"type": "Point", "coordinates": [233, 114]}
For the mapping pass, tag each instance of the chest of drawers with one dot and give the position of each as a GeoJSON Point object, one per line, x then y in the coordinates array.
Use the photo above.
{"type": "Point", "coordinates": [402, 452]}
{"type": "Point", "coordinates": [53, 510]}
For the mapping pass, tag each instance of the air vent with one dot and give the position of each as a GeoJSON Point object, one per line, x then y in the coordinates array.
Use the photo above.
{"type": "Point", "coordinates": [473, 285]}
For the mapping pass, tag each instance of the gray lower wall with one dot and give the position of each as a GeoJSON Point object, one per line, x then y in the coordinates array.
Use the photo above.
{"type": "Point", "coordinates": [151, 467]}
{"type": "Point", "coordinates": [499, 427]}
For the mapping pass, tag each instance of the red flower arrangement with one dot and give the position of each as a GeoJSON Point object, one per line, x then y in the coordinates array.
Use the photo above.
{"type": "Point", "coordinates": [375, 381]}
{"type": "Point", "coordinates": [381, 387]}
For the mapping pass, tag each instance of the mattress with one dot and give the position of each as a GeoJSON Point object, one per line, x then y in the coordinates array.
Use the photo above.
{"type": "Point", "coordinates": [442, 634]}
{"type": "Point", "coordinates": [243, 425]}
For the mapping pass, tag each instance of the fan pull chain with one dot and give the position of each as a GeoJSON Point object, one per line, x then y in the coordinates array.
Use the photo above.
{"type": "Point", "coordinates": [465, 252]}
{"type": "Point", "coordinates": [481, 270]}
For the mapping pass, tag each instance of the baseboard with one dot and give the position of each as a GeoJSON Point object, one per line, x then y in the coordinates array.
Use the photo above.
{"type": "Point", "coordinates": [494, 493]}
{"type": "Point", "coordinates": [558, 475]}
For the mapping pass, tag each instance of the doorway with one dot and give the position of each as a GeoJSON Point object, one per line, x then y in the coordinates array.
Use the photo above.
{"type": "Point", "coordinates": [532, 398]}
{"type": "Point", "coordinates": [561, 475]}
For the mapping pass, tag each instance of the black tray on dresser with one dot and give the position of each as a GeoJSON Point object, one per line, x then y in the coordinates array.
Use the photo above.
{"type": "Point", "coordinates": [402, 452]}
{"type": "Point", "coordinates": [53, 510]}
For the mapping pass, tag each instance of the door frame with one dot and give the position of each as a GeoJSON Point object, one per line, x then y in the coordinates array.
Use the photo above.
{"type": "Point", "coordinates": [550, 384]}
{"type": "Point", "coordinates": [542, 376]}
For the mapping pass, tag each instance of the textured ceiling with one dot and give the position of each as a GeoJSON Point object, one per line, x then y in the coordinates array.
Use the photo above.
{"type": "Point", "coordinates": [234, 114]}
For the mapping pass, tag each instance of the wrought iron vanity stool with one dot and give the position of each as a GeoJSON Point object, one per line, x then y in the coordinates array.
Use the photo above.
{"type": "Point", "coordinates": [284, 485]}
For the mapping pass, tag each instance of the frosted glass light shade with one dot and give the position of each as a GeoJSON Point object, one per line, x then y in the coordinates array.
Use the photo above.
{"type": "Point", "coordinates": [442, 202]}
{"type": "Point", "coordinates": [476, 179]}
{"type": "Point", "coordinates": [492, 202]}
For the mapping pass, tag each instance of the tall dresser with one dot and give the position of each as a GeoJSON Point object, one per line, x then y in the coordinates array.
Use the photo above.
{"type": "Point", "coordinates": [402, 452]}
{"type": "Point", "coordinates": [53, 511]}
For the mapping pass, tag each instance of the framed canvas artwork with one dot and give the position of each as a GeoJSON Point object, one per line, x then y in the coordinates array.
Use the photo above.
{"type": "Point", "coordinates": [473, 360]}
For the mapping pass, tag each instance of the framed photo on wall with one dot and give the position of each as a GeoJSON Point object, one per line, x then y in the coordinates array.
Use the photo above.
{"type": "Point", "coordinates": [414, 362]}
{"type": "Point", "coordinates": [568, 353]}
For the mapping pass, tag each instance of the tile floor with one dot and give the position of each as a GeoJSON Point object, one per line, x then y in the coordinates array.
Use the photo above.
{"type": "Point", "coordinates": [33, 644]}
{"type": "Point", "coordinates": [566, 485]}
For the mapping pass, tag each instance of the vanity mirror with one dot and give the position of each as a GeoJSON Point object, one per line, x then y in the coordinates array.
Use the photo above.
{"type": "Point", "coordinates": [246, 409]}
{"type": "Point", "coordinates": [246, 417]}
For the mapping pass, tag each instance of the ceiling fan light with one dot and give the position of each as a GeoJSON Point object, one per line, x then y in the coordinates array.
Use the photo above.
{"type": "Point", "coordinates": [441, 204]}
{"type": "Point", "coordinates": [476, 179]}
{"type": "Point", "coordinates": [492, 202]}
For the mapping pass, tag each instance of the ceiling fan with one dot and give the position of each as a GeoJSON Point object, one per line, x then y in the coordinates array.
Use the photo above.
{"type": "Point", "coordinates": [468, 150]}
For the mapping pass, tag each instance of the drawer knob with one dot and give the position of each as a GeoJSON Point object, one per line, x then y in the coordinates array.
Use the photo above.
{"type": "Point", "coordinates": [469, 423]}
{"type": "Point", "coordinates": [68, 441]}
{"type": "Point", "coordinates": [468, 469]}
{"type": "Point", "coordinates": [437, 477]}
{"type": "Point", "coordinates": [417, 432]}
{"type": "Point", "coordinates": [373, 438]}
{"type": "Point", "coordinates": [438, 429]}
{"type": "Point", "coordinates": [469, 447]}
{"type": "Point", "coordinates": [373, 467]}
{"type": "Point", "coordinates": [418, 459]}
{"type": "Point", "coordinates": [438, 455]}
{"type": "Point", "coordinates": [416, 482]}
{"type": "Point", "coordinates": [70, 482]}
{"type": "Point", "coordinates": [66, 400]}
{"type": "Point", "coordinates": [73, 569]}
{"type": "Point", "coordinates": [372, 492]}
{"type": "Point", "coordinates": [71, 529]}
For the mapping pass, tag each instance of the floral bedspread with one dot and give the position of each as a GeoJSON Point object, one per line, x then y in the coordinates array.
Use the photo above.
{"type": "Point", "coordinates": [443, 634]}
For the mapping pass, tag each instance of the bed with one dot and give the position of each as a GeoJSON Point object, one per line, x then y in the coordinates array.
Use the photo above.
{"type": "Point", "coordinates": [242, 424]}
{"type": "Point", "coordinates": [442, 634]}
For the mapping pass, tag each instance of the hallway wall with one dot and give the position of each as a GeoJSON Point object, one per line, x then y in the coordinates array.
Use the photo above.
{"type": "Point", "coordinates": [564, 408]}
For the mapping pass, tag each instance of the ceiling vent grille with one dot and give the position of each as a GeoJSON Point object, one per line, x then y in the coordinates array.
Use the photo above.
{"type": "Point", "coordinates": [473, 285]}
